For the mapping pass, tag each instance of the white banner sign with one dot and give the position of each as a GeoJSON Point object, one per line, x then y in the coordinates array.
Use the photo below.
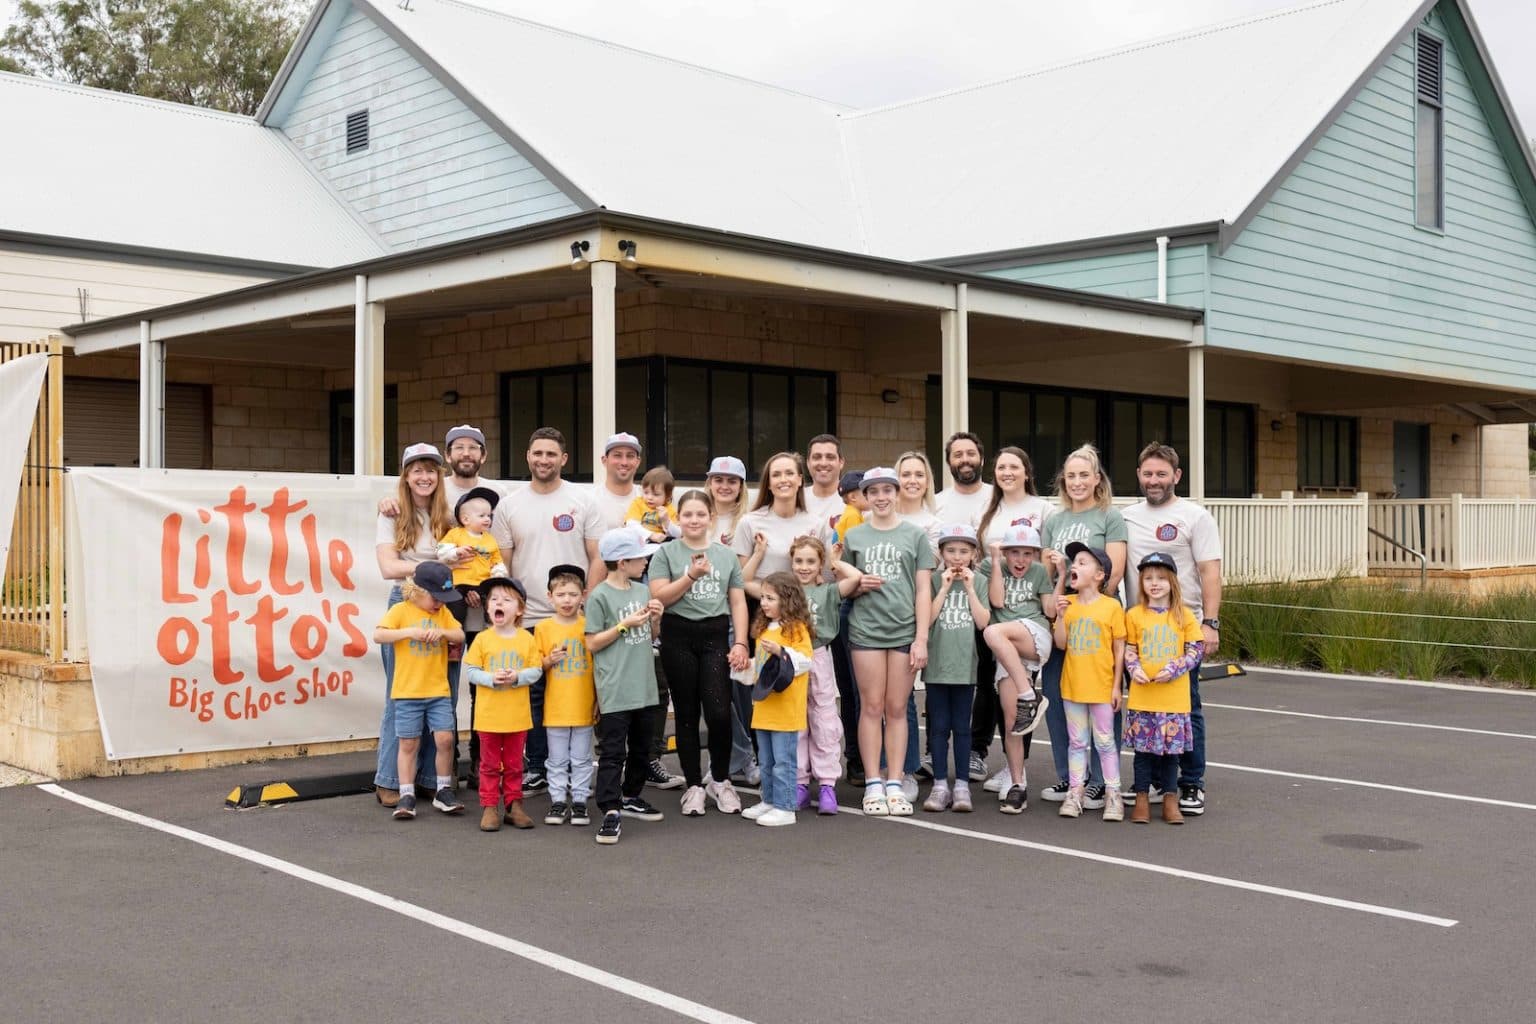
{"type": "Point", "coordinates": [21, 382]}
{"type": "Point", "coordinates": [228, 611]}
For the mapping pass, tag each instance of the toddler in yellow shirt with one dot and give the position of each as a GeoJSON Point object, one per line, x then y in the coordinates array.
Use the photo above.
{"type": "Point", "coordinates": [653, 512]}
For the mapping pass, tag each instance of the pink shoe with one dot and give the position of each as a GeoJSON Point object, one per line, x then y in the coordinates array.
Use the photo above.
{"type": "Point", "coordinates": [802, 797]}
{"type": "Point", "coordinates": [826, 802]}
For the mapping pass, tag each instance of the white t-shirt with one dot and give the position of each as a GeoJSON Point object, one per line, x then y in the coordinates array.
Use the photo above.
{"type": "Point", "coordinates": [453, 492]}
{"type": "Point", "coordinates": [426, 544]}
{"type": "Point", "coordinates": [543, 531]}
{"type": "Point", "coordinates": [1032, 511]}
{"type": "Point", "coordinates": [780, 533]}
{"type": "Point", "coordinates": [929, 523]}
{"type": "Point", "coordinates": [955, 507]}
{"type": "Point", "coordinates": [1179, 528]}
{"type": "Point", "coordinates": [611, 507]}
{"type": "Point", "coordinates": [829, 509]}
{"type": "Point", "coordinates": [725, 528]}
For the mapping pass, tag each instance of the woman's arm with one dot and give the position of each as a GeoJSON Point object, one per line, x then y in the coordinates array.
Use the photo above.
{"type": "Point", "coordinates": [391, 565]}
{"type": "Point", "coordinates": [1116, 550]}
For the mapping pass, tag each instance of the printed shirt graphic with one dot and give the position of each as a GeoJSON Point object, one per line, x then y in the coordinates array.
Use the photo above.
{"type": "Point", "coordinates": [543, 531]}
{"type": "Point", "coordinates": [570, 697]}
{"type": "Point", "coordinates": [1159, 637]}
{"type": "Point", "coordinates": [952, 637]}
{"type": "Point", "coordinates": [1179, 528]}
{"type": "Point", "coordinates": [887, 617]}
{"type": "Point", "coordinates": [502, 710]}
{"type": "Point", "coordinates": [625, 670]}
{"type": "Point", "coordinates": [1021, 594]}
{"type": "Point", "coordinates": [708, 596]}
{"type": "Point", "coordinates": [1088, 675]}
{"type": "Point", "coordinates": [826, 612]}
{"type": "Point", "coordinates": [477, 569]}
{"type": "Point", "coordinates": [1095, 527]}
{"type": "Point", "coordinates": [647, 517]}
{"type": "Point", "coordinates": [783, 711]}
{"type": "Point", "coordinates": [421, 668]}
{"type": "Point", "coordinates": [1032, 511]}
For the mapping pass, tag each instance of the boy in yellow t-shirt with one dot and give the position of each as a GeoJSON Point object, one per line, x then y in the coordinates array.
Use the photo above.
{"type": "Point", "coordinates": [853, 504]}
{"type": "Point", "coordinates": [653, 511]}
{"type": "Point", "coordinates": [503, 662]}
{"type": "Point", "coordinates": [1091, 630]}
{"type": "Point", "coordinates": [420, 630]}
{"type": "Point", "coordinates": [570, 698]}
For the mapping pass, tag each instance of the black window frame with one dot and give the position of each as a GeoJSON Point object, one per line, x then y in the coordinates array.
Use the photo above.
{"type": "Point", "coordinates": [1311, 474]}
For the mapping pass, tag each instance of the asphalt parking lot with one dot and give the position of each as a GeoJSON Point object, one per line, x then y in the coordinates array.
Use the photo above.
{"type": "Point", "coordinates": [1364, 858]}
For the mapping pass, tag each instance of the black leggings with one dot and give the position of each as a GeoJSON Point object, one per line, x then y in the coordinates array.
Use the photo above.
{"type": "Point", "coordinates": [693, 654]}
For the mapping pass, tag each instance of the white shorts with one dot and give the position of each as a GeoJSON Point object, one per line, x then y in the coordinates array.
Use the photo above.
{"type": "Point", "coordinates": [1043, 645]}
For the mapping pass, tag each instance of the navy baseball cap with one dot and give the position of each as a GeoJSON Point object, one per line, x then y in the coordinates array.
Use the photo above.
{"type": "Point", "coordinates": [436, 579]}
{"type": "Point", "coordinates": [1158, 558]}
{"type": "Point", "coordinates": [1101, 556]}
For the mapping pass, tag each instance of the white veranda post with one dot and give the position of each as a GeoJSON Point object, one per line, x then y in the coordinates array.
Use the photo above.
{"type": "Point", "coordinates": [954, 371]}
{"type": "Point", "coordinates": [368, 384]}
{"type": "Point", "coordinates": [151, 398]}
{"type": "Point", "coordinates": [1194, 462]}
{"type": "Point", "coordinates": [604, 359]}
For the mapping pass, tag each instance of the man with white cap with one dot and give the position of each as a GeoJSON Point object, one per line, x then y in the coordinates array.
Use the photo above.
{"type": "Point", "coordinates": [613, 494]}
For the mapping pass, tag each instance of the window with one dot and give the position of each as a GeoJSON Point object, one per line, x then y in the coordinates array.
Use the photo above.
{"type": "Point", "coordinates": [1327, 453]}
{"type": "Point", "coordinates": [357, 131]}
{"type": "Point", "coordinates": [103, 418]}
{"type": "Point", "coordinates": [342, 416]}
{"type": "Point", "coordinates": [1429, 134]}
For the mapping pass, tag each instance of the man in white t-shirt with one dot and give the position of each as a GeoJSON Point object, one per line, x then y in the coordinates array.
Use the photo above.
{"type": "Point", "coordinates": [1163, 521]}
{"type": "Point", "coordinates": [824, 462]}
{"type": "Point", "coordinates": [548, 523]}
{"type": "Point", "coordinates": [966, 500]}
{"type": "Point", "coordinates": [613, 494]}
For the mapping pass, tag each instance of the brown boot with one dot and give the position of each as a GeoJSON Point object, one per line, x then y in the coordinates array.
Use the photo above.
{"type": "Point", "coordinates": [516, 816]}
{"type": "Point", "coordinates": [387, 797]}
{"type": "Point", "coordinates": [1171, 813]}
{"type": "Point", "coordinates": [490, 820]}
{"type": "Point", "coordinates": [1141, 810]}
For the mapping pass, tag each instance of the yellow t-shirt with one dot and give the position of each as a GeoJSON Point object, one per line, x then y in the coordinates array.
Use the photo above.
{"type": "Point", "coordinates": [850, 518]}
{"type": "Point", "coordinates": [1159, 637]}
{"type": "Point", "coordinates": [478, 569]}
{"type": "Point", "coordinates": [501, 710]}
{"type": "Point", "coordinates": [783, 711]}
{"type": "Point", "coordinates": [1088, 674]}
{"type": "Point", "coordinates": [650, 518]}
{"type": "Point", "coordinates": [570, 695]}
{"type": "Point", "coordinates": [421, 668]}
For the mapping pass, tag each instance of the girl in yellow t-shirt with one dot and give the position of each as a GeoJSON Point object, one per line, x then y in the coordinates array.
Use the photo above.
{"type": "Point", "coordinates": [1091, 630]}
{"type": "Point", "coordinates": [783, 629]}
{"type": "Point", "coordinates": [1163, 645]}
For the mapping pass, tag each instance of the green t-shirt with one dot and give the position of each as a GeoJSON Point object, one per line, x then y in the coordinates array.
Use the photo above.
{"type": "Point", "coordinates": [709, 596]}
{"type": "Point", "coordinates": [887, 617]}
{"type": "Point", "coordinates": [1021, 594]}
{"type": "Point", "coordinates": [1095, 527]}
{"type": "Point", "coordinates": [952, 637]}
{"type": "Point", "coordinates": [624, 671]}
{"type": "Point", "coordinates": [826, 612]}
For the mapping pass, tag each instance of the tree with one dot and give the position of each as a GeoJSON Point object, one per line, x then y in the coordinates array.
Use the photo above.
{"type": "Point", "coordinates": [208, 53]}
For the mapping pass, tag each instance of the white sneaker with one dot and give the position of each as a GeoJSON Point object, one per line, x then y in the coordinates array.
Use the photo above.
{"type": "Point", "coordinates": [775, 817]}
{"type": "Point", "coordinates": [999, 783]}
{"type": "Point", "coordinates": [909, 787]}
{"type": "Point", "coordinates": [938, 798]}
{"type": "Point", "coordinates": [1114, 807]}
{"type": "Point", "coordinates": [1072, 804]}
{"type": "Point", "coordinates": [693, 802]}
{"type": "Point", "coordinates": [756, 811]}
{"type": "Point", "coordinates": [725, 797]}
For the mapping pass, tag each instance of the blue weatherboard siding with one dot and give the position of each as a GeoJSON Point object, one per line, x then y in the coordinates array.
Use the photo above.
{"type": "Point", "coordinates": [1130, 275]}
{"type": "Point", "coordinates": [1334, 270]}
{"type": "Point", "coordinates": [433, 171]}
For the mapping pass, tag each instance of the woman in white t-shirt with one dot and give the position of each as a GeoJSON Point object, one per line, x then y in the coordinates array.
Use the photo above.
{"type": "Point", "coordinates": [779, 516]}
{"type": "Point", "coordinates": [915, 503]}
{"type": "Point", "coordinates": [727, 483]}
{"type": "Point", "coordinates": [403, 541]}
{"type": "Point", "coordinates": [1015, 499]}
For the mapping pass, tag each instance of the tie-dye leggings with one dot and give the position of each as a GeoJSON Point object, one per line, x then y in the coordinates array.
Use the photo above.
{"type": "Point", "coordinates": [1101, 718]}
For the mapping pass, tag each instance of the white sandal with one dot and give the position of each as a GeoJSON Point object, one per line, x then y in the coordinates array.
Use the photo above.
{"type": "Point", "coordinates": [875, 803]}
{"type": "Point", "coordinates": [898, 806]}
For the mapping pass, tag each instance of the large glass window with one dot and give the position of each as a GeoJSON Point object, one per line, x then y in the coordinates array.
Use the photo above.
{"type": "Point", "coordinates": [562, 398]}
{"type": "Point", "coordinates": [1327, 453]}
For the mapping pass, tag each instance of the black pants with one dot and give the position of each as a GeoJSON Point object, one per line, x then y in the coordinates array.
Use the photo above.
{"type": "Point", "coordinates": [847, 688]}
{"type": "Point", "coordinates": [621, 754]}
{"type": "Point", "coordinates": [1161, 770]}
{"type": "Point", "coordinates": [693, 653]}
{"type": "Point", "coordinates": [658, 741]}
{"type": "Point", "coordinates": [986, 716]}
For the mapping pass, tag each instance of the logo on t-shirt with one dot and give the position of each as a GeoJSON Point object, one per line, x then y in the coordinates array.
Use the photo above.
{"type": "Point", "coordinates": [832, 522]}
{"type": "Point", "coordinates": [1167, 532]}
{"type": "Point", "coordinates": [564, 522]}
{"type": "Point", "coordinates": [1023, 521]}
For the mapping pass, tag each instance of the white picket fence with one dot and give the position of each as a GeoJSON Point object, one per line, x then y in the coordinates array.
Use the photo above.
{"type": "Point", "coordinates": [1270, 540]}
{"type": "Point", "coordinates": [1455, 533]}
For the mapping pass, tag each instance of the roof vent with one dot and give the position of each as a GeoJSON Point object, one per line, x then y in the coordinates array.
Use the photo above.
{"type": "Point", "coordinates": [1430, 69]}
{"type": "Point", "coordinates": [357, 131]}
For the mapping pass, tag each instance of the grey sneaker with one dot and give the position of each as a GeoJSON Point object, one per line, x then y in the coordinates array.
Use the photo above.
{"type": "Point", "coordinates": [978, 767]}
{"type": "Point", "coordinates": [961, 802]}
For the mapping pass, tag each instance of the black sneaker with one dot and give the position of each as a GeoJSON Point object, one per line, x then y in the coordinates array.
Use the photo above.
{"type": "Point", "coordinates": [608, 831]}
{"type": "Point", "coordinates": [1191, 800]}
{"type": "Point", "coordinates": [636, 807]}
{"type": "Point", "coordinates": [535, 782]}
{"type": "Point", "coordinates": [924, 771]}
{"type": "Point", "coordinates": [1056, 794]}
{"type": "Point", "coordinates": [1028, 712]}
{"type": "Point", "coordinates": [1015, 802]}
{"type": "Point", "coordinates": [446, 802]}
{"type": "Point", "coordinates": [556, 814]}
{"type": "Point", "coordinates": [405, 810]}
{"type": "Point", "coordinates": [855, 775]}
{"type": "Point", "coordinates": [1093, 797]}
{"type": "Point", "coordinates": [579, 814]}
{"type": "Point", "coordinates": [657, 775]}
{"type": "Point", "coordinates": [978, 767]}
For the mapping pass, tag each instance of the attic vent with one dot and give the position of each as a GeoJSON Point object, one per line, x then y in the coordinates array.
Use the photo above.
{"type": "Point", "coordinates": [1431, 53]}
{"type": "Point", "coordinates": [357, 131]}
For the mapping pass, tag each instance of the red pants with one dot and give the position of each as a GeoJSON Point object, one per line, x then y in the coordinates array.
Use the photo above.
{"type": "Point", "coordinates": [501, 766]}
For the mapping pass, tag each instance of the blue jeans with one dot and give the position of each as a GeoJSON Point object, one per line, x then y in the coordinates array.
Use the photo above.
{"type": "Point", "coordinates": [387, 773]}
{"type": "Point", "coordinates": [1160, 770]}
{"type": "Point", "coordinates": [1056, 721]}
{"type": "Point", "coordinates": [949, 712]}
{"type": "Point", "coordinates": [776, 755]}
{"type": "Point", "coordinates": [1192, 762]}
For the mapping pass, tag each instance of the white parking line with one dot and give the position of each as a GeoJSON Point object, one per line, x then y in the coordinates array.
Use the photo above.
{"type": "Point", "coordinates": [1371, 721]}
{"type": "Point", "coordinates": [575, 968]}
{"type": "Point", "coordinates": [1337, 677]}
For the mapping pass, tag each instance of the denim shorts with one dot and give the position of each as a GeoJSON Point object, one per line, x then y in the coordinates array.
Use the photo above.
{"type": "Point", "coordinates": [899, 649]}
{"type": "Point", "coordinates": [436, 712]}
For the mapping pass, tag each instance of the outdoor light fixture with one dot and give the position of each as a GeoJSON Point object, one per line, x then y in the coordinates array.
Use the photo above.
{"type": "Point", "coordinates": [1277, 425]}
{"type": "Point", "coordinates": [1455, 439]}
{"type": "Point", "coordinates": [890, 396]}
{"type": "Point", "coordinates": [578, 254]}
{"type": "Point", "coordinates": [450, 397]}
{"type": "Point", "coordinates": [627, 247]}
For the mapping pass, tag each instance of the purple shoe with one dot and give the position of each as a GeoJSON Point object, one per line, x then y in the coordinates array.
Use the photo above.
{"type": "Point", "coordinates": [802, 797]}
{"type": "Point", "coordinates": [826, 803]}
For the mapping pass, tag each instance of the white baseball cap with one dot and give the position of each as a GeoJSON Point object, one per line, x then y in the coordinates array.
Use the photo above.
{"type": "Point", "coordinates": [622, 440]}
{"type": "Point", "coordinates": [623, 543]}
{"type": "Point", "coordinates": [728, 465]}
{"type": "Point", "coordinates": [1023, 536]}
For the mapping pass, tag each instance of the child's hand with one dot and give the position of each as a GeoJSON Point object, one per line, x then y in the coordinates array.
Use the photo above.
{"type": "Point", "coordinates": [428, 634]}
{"type": "Point", "coordinates": [638, 619]}
{"type": "Point", "coordinates": [919, 656]}
{"type": "Point", "coordinates": [773, 649]}
{"type": "Point", "coordinates": [698, 566]}
{"type": "Point", "coordinates": [554, 657]}
{"type": "Point", "coordinates": [759, 544]}
{"type": "Point", "coordinates": [503, 676]}
{"type": "Point", "coordinates": [1162, 675]}
{"type": "Point", "coordinates": [738, 659]}
{"type": "Point", "coordinates": [995, 551]}
{"type": "Point", "coordinates": [868, 583]}
{"type": "Point", "coordinates": [1049, 605]}
{"type": "Point", "coordinates": [967, 573]}
{"type": "Point", "coordinates": [1114, 699]}
{"type": "Point", "coordinates": [1139, 675]}
{"type": "Point", "coordinates": [947, 577]}
{"type": "Point", "coordinates": [654, 608]}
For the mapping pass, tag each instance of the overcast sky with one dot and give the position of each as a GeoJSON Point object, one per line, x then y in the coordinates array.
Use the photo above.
{"type": "Point", "coordinates": [865, 53]}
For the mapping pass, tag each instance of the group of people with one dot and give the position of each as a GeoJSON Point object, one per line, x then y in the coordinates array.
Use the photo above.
{"type": "Point", "coordinates": [793, 627]}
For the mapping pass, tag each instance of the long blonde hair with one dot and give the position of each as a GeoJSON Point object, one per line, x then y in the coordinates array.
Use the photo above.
{"type": "Point", "coordinates": [929, 503]}
{"type": "Point", "coordinates": [737, 508]}
{"type": "Point", "coordinates": [1103, 494]}
{"type": "Point", "coordinates": [407, 524]}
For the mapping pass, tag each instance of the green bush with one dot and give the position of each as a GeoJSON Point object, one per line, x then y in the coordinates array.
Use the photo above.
{"type": "Point", "coordinates": [1354, 627]}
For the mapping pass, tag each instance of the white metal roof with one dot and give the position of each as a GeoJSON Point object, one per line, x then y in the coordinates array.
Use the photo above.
{"type": "Point", "coordinates": [124, 171]}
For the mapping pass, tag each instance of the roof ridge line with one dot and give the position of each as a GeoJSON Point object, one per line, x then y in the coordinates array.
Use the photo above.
{"type": "Point", "coordinates": [131, 98]}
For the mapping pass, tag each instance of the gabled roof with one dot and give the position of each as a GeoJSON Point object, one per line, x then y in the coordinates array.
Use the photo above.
{"type": "Point", "coordinates": [108, 170]}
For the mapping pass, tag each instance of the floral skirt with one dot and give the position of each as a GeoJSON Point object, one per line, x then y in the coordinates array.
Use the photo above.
{"type": "Point", "coordinates": [1159, 732]}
